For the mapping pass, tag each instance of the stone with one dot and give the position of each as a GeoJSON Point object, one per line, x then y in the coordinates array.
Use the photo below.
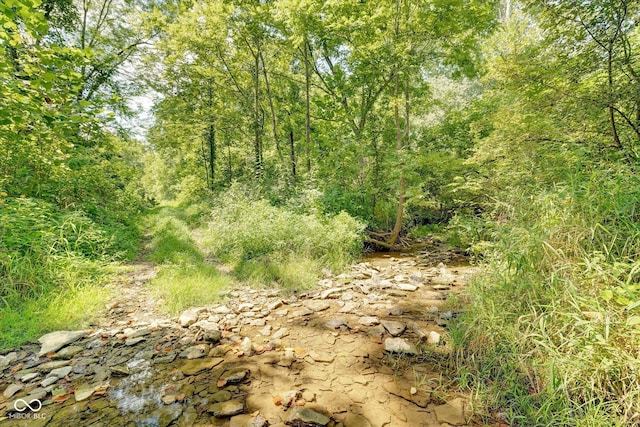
{"type": "Point", "coordinates": [353, 420]}
{"type": "Point", "coordinates": [301, 416]}
{"type": "Point", "coordinates": [316, 305]}
{"type": "Point", "coordinates": [288, 358]}
{"type": "Point", "coordinates": [67, 352]}
{"type": "Point", "coordinates": [369, 321]}
{"type": "Point", "coordinates": [246, 346]}
{"type": "Point", "coordinates": [266, 331]}
{"type": "Point", "coordinates": [28, 377]}
{"type": "Point", "coordinates": [84, 392]}
{"type": "Point", "coordinates": [12, 389]}
{"type": "Point", "coordinates": [321, 357]}
{"type": "Point", "coordinates": [223, 309]}
{"type": "Point", "coordinates": [142, 332]}
{"type": "Point", "coordinates": [226, 409]}
{"type": "Point", "coordinates": [395, 311]}
{"type": "Point", "coordinates": [274, 305]}
{"type": "Point", "coordinates": [54, 341]}
{"type": "Point", "coordinates": [133, 341]}
{"type": "Point", "coordinates": [168, 399]}
{"type": "Point", "coordinates": [233, 376]}
{"type": "Point", "coordinates": [399, 345]}
{"type": "Point", "coordinates": [49, 366]}
{"type": "Point", "coordinates": [194, 367]}
{"type": "Point", "coordinates": [407, 287]}
{"type": "Point", "coordinates": [246, 420]}
{"type": "Point", "coordinates": [433, 338]}
{"type": "Point", "coordinates": [349, 307]}
{"type": "Point", "coordinates": [451, 412]}
{"type": "Point", "coordinates": [8, 359]}
{"type": "Point", "coordinates": [280, 333]}
{"type": "Point", "coordinates": [196, 352]}
{"type": "Point", "coordinates": [48, 381]}
{"type": "Point", "coordinates": [330, 293]}
{"type": "Point", "coordinates": [121, 370]}
{"type": "Point", "coordinates": [301, 312]}
{"type": "Point", "coordinates": [212, 336]}
{"type": "Point", "coordinates": [337, 323]}
{"type": "Point", "coordinates": [221, 396]}
{"type": "Point", "coordinates": [394, 328]}
{"type": "Point", "coordinates": [167, 414]}
{"type": "Point", "coordinates": [60, 372]}
{"type": "Point", "coordinates": [189, 317]}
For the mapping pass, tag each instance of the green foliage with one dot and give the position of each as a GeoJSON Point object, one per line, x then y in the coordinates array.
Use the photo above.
{"type": "Point", "coordinates": [553, 322]}
{"type": "Point", "coordinates": [52, 267]}
{"type": "Point", "coordinates": [185, 278]}
{"type": "Point", "coordinates": [260, 239]}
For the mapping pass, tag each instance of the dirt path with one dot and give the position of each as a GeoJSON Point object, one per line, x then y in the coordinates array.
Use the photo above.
{"type": "Point", "coordinates": [361, 350]}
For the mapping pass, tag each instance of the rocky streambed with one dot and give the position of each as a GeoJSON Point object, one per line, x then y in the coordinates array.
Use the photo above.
{"type": "Point", "coordinates": [354, 352]}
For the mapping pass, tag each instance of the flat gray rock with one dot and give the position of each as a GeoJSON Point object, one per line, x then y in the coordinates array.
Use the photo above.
{"type": "Point", "coordinates": [315, 305]}
{"type": "Point", "coordinates": [226, 409]}
{"type": "Point", "coordinates": [8, 359]}
{"type": "Point", "coordinates": [369, 321]}
{"type": "Point", "coordinates": [195, 366]}
{"type": "Point", "coordinates": [54, 341]}
{"type": "Point", "coordinates": [12, 389]}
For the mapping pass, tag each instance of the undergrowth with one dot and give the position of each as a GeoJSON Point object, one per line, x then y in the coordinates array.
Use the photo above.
{"type": "Point", "coordinates": [53, 265]}
{"type": "Point", "coordinates": [185, 278]}
{"type": "Point", "coordinates": [265, 243]}
{"type": "Point", "coordinates": [552, 333]}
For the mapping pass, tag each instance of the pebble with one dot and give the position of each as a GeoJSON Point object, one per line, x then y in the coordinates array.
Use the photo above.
{"type": "Point", "coordinates": [433, 338]}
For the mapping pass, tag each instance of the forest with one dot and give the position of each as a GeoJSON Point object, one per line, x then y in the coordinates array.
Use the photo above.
{"type": "Point", "coordinates": [285, 139]}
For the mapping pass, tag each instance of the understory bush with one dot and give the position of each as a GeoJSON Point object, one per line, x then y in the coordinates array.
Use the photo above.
{"type": "Point", "coordinates": [552, 333]}
{"type": "Point", "coordinates": [269, 243]}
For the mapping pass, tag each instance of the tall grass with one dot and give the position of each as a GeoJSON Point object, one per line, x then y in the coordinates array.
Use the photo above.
{"type": "Point", "coordinates": [553, 330]}
{"type": "Point", "coordinates": [53, 264]}
{"type": "Point", "coordinates": [185, 278]}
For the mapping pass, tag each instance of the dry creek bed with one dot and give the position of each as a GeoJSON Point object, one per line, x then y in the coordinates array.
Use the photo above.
{"type": "Point", "coordinates": [352, 353]}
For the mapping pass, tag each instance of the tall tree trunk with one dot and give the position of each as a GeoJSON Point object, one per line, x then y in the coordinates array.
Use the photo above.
{"type": "Point", "coordinates": [204, 159]}
{"type": "Point", "coordinates": [292, 154]}
{"type": "Point", "coordinates": [401, 190]}
{"type": "Point", "coordinates": [395, 233]}
{"type": "Point", "coordinates": [212, 154]}
{"type": "Point", "coordinates": [211, 139]}
{"type": "Point", "coordinates": [274, 120]}
{"type": "Point", "coordinates": [612, 117]}
{"type": "Point", "coordinates": [257, 143]}
{"type": "Point", "coordinates": [307, 103]}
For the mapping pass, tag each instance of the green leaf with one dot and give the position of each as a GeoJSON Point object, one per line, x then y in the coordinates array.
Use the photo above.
{"type": "Point", "coordinates": [606, 295]}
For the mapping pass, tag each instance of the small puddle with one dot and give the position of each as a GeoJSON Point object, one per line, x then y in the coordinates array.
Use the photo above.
{"type": "Point", "coordinates": [135, 395]}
